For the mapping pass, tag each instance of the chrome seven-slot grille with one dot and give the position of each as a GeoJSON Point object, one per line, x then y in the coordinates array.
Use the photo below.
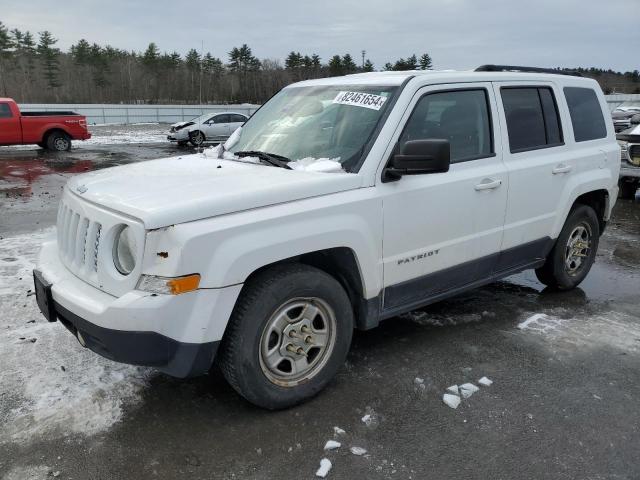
{"type": "Point", "coordinates": [78, 240]}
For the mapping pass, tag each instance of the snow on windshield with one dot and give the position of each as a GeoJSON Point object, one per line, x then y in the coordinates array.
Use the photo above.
{"type": "Point", "coordinates": [308, 164]}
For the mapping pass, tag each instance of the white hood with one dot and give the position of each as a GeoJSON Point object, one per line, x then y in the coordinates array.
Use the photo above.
{"type": "Point", "coordinates": [192, 187]}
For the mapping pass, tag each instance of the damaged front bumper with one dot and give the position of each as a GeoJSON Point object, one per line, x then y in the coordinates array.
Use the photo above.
{"type": "Point", "coordinates": [177, 334]}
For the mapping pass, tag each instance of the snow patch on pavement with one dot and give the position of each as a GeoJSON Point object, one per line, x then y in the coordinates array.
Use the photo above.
{"type": "Point", "coordinates": [485, 382]}
{"type": "Point", "coordinates": [332, 445]}
{"type": "Point", "coordinates": [325, 466]}
{"type": "Point", "coordinates": [359, 451]}
{"type": "Point", "coordinates": [570, 332]}
{"type": "Point", "coordinates": [540, 323]}
{"type": "Point", "coordinates": [450, 400]}
{"type": "Point", "coordinates": [53, 387]}
{"type": "Point", "coordinates": [468, 389]}
{"type": "Point", "coordinates": [38, 472]}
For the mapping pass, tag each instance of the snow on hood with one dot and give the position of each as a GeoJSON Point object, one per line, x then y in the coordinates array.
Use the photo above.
{"type": "Point", "coordinates": [192, 187]}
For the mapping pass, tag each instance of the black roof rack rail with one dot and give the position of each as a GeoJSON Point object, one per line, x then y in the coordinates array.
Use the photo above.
{"type": "Point", "coordinates": [515, 68]}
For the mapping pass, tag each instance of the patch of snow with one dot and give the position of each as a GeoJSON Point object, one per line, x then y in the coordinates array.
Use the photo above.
{"type": "Point", "coordinates": [358, 451]}
{"type": "Point", "coordinates": [453, 389]}
{"type": "Point", "coordinates": [323, 165]}
{"type": "Point", "coordinates": [325, 466]}
{"type": "Point", "coordinates": [540, 323]}
{"type": "Point", "coordinates": [39, 472]}
{"type": "Point", "coordinates": [54, 386]}
{"type": "Point", "coordinates": [451, 400]}
{"type": "Point", "coordinates": [468, 389]}
{"type": "Point", "coordinates": [332, 445]}
{"type": "Point", "coordinates": [485, 382]}
{"type": "Point", "coordinates": [338, 431]}
{"type": "Point", "coordinates": [418, 381]}
{"type": "Point", "coordinates": [367, 419]}
{"type": "Point", "coordinates": [124, 137]}
{"type": "Point", "coordinates": [214, 152]}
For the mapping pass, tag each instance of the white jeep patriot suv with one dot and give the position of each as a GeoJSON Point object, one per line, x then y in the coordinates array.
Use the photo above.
{"type": "Point", "coordinates": [342, 202]}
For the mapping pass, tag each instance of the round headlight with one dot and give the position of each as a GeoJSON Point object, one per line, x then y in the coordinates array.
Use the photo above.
{"type": "Point", "coordinates": [124, 251]}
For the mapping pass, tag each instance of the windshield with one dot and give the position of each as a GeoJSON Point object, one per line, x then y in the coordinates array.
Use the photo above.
{"type": "Point", "coordinates": [333, 122]}
{"type": "Point", "coordinates": [202, 118]}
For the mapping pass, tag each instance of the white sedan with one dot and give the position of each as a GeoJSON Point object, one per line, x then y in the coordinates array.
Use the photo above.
{"type": "Point", "coordinates": [210, 127]}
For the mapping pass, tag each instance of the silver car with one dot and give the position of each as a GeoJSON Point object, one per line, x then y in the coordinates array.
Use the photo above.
{"type": "Point", "coordinates": [210, 127]}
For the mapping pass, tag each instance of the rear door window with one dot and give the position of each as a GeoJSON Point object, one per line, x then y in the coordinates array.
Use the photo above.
{"type": "Point", "coordinates": [586, 114]}
{"type": "Point", "coordinates": [235, 118]}
{"type": "Point", "coordinates": [532, 118]}
{"type": "Point", "coordinates": [5, 111]}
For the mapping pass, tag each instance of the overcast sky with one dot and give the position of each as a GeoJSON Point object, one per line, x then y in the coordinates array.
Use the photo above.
{"type": "Point", "coordinates": [458, 34]}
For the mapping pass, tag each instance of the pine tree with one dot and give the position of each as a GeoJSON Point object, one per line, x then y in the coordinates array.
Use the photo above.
{"type": "Point", "coordinates": [368, 66]}
{"type": "Point", "coordinates": [348, 65]}
{"type": "Point", "coordinates": [49, 58]}
{"type": "Point", "coordinates": [242, 60]}
{"type": "Point", "coordinates": [335, 66]}
{"type": "Point", "coordinates": [81, 52]}
{"type": "Point", "coordinates": [425, 62]}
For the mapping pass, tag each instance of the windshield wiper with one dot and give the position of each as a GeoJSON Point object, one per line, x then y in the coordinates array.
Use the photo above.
{"type": "Point", "coordinates": [270, 158]}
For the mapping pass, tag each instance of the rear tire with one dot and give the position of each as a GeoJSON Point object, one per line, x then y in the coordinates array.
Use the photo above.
{"type": "Point", "coordinates": [58, 142]}
{"type": "Point", "coordinates": [628, 190]}
{"type": "Point", "coordinates": [288, 335]}
{"type": "Point", "coordinates": [196, 138]}
{"type": "Point", "coordinates": [574, 252]}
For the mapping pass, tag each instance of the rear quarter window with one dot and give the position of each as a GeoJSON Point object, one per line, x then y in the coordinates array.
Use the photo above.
{"type": "Point", "coordinates": [586, 114]}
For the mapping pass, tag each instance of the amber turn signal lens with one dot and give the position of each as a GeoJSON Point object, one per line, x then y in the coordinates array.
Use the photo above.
{"type": "Point", "coordinates": [184, 284]}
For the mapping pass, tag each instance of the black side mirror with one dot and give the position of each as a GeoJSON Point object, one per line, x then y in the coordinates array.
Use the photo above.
{"type": "Point", "coordinates": [419, 157]}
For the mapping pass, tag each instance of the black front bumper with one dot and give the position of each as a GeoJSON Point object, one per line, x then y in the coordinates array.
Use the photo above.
{"type": "Point", "coordinates": [151, 349]}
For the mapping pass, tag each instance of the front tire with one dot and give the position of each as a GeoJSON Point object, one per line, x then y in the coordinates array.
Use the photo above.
{"type": "Point", "coordinates": [196, 138]}
{"type": "Point", "coordinates": [574, 252]}
{"type": "Point", "coordinates": [58, 142]}
{"type": "Point", "coordinates": [289, 333]}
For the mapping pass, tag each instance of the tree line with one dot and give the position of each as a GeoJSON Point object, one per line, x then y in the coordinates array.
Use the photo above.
{"type": "Point", "coordinates": [34, 70]}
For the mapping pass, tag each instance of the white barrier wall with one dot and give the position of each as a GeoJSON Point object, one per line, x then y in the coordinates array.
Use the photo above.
{"type": "Point", "coordinates": [126, 114]}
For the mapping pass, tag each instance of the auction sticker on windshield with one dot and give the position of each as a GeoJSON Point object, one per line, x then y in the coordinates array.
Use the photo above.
{"type": "Point", "coordinates": [359, 99]}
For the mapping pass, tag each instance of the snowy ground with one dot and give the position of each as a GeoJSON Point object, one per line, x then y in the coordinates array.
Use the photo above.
{"type": "Point", "coordinates": [51, 386]}
{"type": "Point", "coordinates": [126, 134]}
{"type": "Point", "coordinates": [562, 405]}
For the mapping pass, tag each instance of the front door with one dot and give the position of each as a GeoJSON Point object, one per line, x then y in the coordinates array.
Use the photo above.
{"type": "Point", "coordinates": [443, 231]}
{"type": "Point", "coordinates": [219, 127]}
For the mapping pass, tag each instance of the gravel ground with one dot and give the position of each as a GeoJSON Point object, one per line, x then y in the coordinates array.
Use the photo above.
{"type": "Point", "coordinates": [563, 403]}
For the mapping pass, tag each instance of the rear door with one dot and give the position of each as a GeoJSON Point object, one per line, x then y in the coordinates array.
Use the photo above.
{"type": "Point", "coordinates": [443, 230]}
{"type": "Point", "coordinates": [10, 129]}
{"type": "Point", "coordinates": [539, 165]}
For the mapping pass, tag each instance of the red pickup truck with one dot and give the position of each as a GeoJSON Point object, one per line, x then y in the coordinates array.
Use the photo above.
{"type": "Point", "coordinates": [51, 130]}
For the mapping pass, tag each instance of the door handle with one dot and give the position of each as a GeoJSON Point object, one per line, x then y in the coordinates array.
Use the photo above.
{"type": "Point", "coordinates": [561, 168]}
{"type": "Point", "coordinates": [488, 184]}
